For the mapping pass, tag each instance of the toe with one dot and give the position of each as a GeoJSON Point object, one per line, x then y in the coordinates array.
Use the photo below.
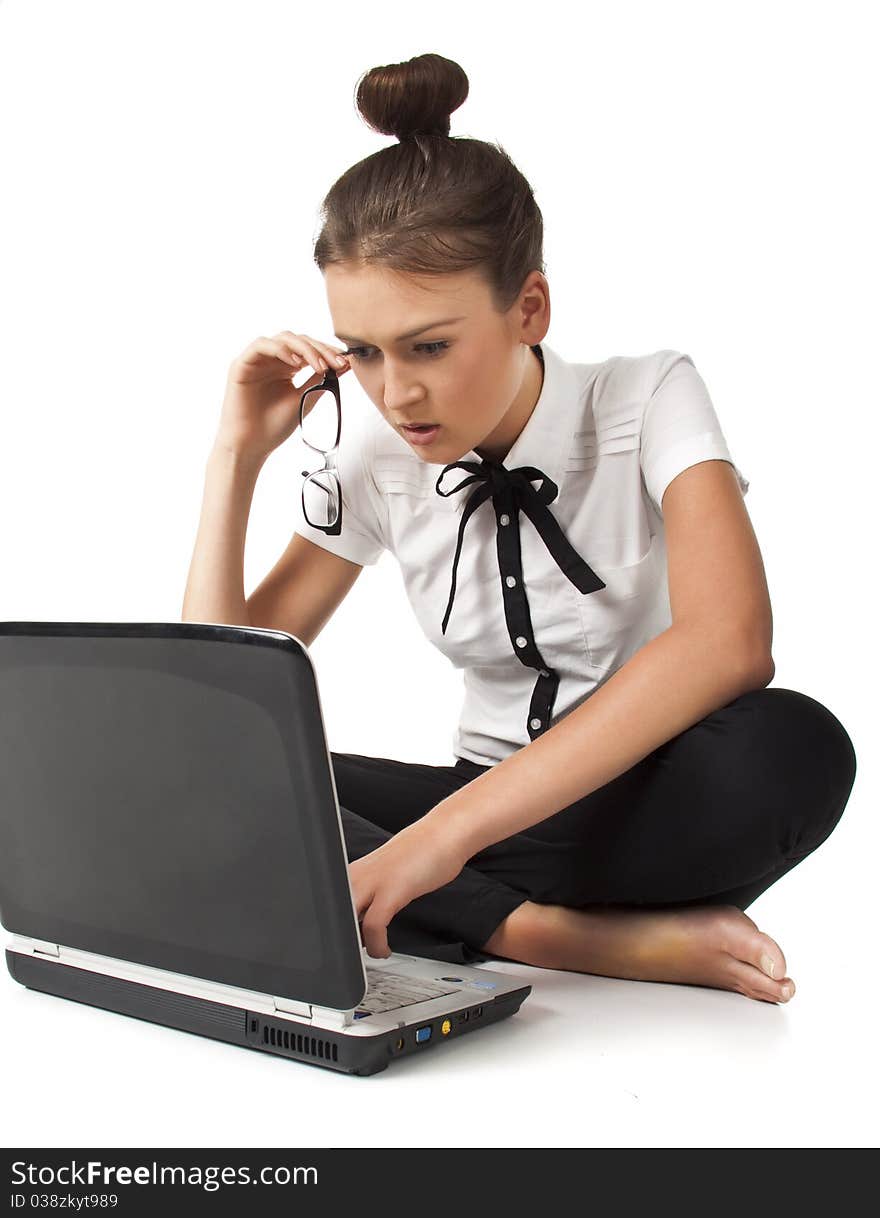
{"type": "Point", "coordinates": [755, 983]}
{"type": "Point", "coordinates": [766, 954]}
{"type": "Point", "coordinates": [745, 942]}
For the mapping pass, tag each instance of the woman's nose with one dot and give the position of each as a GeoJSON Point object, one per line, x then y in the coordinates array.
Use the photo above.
{"type": "Point", "coordinates": [398, 395]}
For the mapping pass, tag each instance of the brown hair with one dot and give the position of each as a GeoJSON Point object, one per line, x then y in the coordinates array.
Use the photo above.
{"type": "Point", "coordinates": [431, 204]}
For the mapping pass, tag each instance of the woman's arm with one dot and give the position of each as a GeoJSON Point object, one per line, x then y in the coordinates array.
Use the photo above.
{"type": "Point", "coordinates": [717, 648]}
{"type": "Point", "coordinates": [215, 584]}
{"type": "Point", "coordinates": [671, 683]}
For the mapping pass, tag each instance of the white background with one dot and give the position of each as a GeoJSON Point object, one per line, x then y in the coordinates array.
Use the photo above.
{"type": "Point", "coordinates": [705, 174]}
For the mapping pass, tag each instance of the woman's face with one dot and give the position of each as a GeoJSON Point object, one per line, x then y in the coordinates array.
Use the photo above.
{"type": "Point", "coordinates": [470, 369]}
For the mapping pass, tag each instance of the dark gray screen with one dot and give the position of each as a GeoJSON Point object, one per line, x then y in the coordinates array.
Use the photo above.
{"type": "Point", "coordinates": [166, 797]}
{"type": "Point", "coordinates": [191, 779]}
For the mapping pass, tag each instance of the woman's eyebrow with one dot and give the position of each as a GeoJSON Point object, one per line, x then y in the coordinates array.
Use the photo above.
{"type": "Point", "coordinates": [444, 321]}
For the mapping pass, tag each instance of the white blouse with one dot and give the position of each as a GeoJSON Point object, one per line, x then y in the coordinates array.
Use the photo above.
{"type": "Point", "coordinates": [532, 641]}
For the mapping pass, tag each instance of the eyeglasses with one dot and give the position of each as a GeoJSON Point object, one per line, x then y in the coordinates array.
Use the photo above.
{"type": "Point", "coordinates": [321, 492]}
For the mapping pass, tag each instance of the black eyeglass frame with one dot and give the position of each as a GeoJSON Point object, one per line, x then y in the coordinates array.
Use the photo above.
{"type": "Point", "coordinates": [330, 382]}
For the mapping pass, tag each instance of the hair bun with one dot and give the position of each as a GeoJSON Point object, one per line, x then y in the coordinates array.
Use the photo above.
{"type": "Point", "coordinates": [416, 97]}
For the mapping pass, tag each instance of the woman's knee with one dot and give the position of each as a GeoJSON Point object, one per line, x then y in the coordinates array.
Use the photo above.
{"type": "Point", "coordinates": [796, 751]}
{"type": "Point", "coordinates": [821, 740]}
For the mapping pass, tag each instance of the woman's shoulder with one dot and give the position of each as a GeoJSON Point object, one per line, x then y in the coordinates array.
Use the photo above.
{"type": "Point", "coordinates": [632, 376]}
{"type": "Point", "coordinates": [614, 392]}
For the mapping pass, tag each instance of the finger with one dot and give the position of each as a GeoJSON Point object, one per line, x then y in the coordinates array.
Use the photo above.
{"type": "Point", "coordinates": [375, 934]}
{"type": "Point", "coordinates": [303, 347]}
{"type": "Point", "coordinates": [287, 354]}
{"type": "Point", "coordinates": [332, 356]}
{"type": "Point", "coordinates": [379, 948]}
{"type": "Point", "coordinates": [271, 346]}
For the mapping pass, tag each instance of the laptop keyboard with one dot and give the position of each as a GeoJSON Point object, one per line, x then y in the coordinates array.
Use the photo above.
{"type": "Point", "coordinates": [387, 990]}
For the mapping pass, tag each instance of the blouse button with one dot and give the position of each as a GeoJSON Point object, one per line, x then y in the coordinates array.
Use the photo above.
{"type": "Point", "coordinates": [504, 518]}
{"type": "Point", "coordinates": [544, 672]}
{"type": "Point", "coordinates": [535, 723]}
{"type": "Point", "coordinates": [521, 642]}
{"type": "Point", "coordinates": [510, 581]}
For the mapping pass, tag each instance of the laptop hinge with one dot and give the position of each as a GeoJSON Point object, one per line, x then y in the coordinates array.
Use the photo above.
{"type": "Point", "coordinates": [330, 1017]}
{"type": "Point", "coordinates": [46, 949]}
{"type": "Point", "coordinates": [321, 1017]}
{"type": "Point", "coordinates": [289, 1006]}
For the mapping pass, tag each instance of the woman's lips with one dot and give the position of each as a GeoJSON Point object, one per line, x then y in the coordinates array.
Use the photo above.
{"type": "Point", "coordinates": [418, 435]}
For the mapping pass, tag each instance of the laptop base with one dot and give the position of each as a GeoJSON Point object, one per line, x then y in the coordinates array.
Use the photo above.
{"type": "Point", "coordinates": [300, 1041]}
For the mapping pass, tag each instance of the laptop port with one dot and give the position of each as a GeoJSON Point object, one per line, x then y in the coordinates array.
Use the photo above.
{"type": "Point", "coordinates": [398, 1045]}
{"type": "Point", "coordinates": [478, 1011]}
{"type": "Point", "coordinates": [422, 1034]}
{"type": "Point", "coordinates": [462, 1016]}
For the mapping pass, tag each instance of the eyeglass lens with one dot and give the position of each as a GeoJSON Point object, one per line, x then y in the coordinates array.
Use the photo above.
{"type": "Point", "coordinates": [320, 425]}
{"type": "Point", "coordinates": [320, 430]}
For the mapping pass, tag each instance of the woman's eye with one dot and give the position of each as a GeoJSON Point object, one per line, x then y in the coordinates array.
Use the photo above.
{"type": "Point", "coordinates": [430, 350]}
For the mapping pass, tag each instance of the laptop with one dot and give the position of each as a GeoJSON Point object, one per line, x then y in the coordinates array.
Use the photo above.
{"type": "Point", "coordinates": [171, 848]}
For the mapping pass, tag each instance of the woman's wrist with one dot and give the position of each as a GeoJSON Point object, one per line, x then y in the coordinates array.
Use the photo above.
{"type": "Point", "coordinates": [235, 460]}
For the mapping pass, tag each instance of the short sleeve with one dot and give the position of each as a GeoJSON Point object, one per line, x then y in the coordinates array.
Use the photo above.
{"type": "Point", "coordinates": [362, 539]}
{"type": "Point", "coordinates": [679, 425]}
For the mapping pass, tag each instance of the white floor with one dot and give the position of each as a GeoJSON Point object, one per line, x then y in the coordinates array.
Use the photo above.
{"type": "Point", "coordinates": [588, 1061]}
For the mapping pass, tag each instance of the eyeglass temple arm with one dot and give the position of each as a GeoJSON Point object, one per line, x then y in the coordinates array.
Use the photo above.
{"type": "Point", "coordinates": [316, 476]}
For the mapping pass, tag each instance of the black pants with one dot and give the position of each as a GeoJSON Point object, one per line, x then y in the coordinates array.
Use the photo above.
{"type": "Point", "coordinates": [714, 816]}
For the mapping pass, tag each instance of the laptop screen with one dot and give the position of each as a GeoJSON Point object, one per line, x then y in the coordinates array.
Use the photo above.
{"type": "Point", "coordinates": [166, 800]}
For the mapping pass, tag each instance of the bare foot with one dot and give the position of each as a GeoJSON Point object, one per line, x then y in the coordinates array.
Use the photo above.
{"type": "Point", "coordinates": [712, 945]}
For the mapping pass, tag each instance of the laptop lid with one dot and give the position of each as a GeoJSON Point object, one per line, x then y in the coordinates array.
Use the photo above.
{"type": "Point", "coordinates": [167, 797]}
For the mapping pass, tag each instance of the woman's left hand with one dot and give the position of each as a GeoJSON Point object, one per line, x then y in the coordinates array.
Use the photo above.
{"type": "Point", "coordinates": [418, 859]}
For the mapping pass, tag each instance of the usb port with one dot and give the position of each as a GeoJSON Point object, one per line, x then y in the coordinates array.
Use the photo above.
{"type": "Point", "coordinates": [478, 1011]}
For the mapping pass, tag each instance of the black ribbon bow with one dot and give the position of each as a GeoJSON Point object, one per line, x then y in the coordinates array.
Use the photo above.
{"type": "Point", "coordinates": [512, 490]}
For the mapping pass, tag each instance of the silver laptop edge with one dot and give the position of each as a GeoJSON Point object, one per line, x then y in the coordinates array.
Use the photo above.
{"type": "Point", "coordinates": [474, 981]}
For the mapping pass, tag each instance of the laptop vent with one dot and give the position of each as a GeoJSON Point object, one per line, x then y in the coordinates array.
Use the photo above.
{"type": "Point", "coordinates": [281, 1037]}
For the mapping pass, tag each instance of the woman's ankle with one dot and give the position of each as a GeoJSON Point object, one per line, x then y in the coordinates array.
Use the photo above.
{"type": "Point", "coordinates": [522, 935]}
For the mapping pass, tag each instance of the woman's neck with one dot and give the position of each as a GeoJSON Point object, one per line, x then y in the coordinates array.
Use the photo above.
{"type": "Point", "coordinates": [501, 441]}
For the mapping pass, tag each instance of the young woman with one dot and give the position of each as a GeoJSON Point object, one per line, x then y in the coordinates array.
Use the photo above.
{"type": "Point", "coordinates": [625, 783]}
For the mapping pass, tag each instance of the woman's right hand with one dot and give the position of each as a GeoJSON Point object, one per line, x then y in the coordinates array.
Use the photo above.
{"type": "Point", "coordinates": [261, 406]}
